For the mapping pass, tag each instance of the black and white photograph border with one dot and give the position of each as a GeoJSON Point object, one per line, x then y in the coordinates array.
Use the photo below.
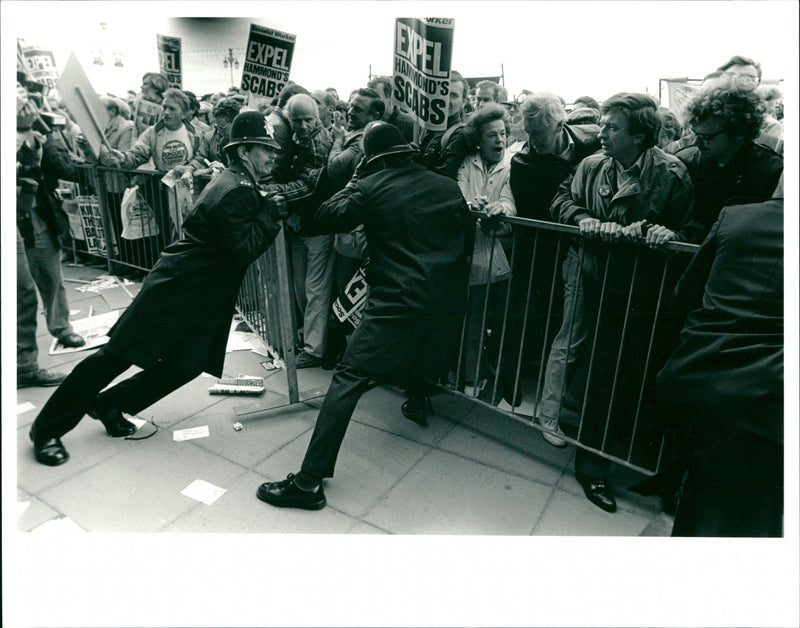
{"type": "Point", "coordinates": [65, 576]}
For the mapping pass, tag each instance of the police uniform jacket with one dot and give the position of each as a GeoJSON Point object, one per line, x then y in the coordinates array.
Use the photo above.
{"type": "Point", "coordinates": [419, 240]}
{"type": "Point", "coordinates": [182, 315]}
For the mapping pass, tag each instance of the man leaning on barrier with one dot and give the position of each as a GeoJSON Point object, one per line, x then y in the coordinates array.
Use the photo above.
{"type": "Point", "coordinates": [419, 234]}
{"type": "Point", "coordinates": [631, 190]}
{"type": "Point", "coordinates": [177, 326]}
{"type": "Point", "coordinates": [552, 151]}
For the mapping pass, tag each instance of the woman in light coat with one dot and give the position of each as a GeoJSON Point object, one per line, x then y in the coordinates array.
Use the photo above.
{"type": "Point", "coordinates": [484, 179]}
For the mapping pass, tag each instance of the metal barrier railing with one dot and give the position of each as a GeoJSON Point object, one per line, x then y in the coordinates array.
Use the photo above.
{"type": "Point", "coordinates": [588, 360]}
{"type": "Point", "coordinates": [131, 239]}
{"type": "Point", "coordinates": [266, 305]}
{"type": "Point", "coordinates": [591, 356]}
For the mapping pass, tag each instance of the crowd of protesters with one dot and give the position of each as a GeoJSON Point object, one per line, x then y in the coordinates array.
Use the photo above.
{"type": "Point", "coordinates": [623, 170]}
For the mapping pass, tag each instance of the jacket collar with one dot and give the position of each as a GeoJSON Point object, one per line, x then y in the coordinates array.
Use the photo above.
{"type": "Point", "coordinates": [159, 126]}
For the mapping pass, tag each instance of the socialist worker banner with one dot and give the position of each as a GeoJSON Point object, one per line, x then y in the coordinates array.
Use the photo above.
{"type": "Point", "coordinates": [267, 61]}
{"type": "Point", "coordinates": [423, 50]}
{"type": "Point", "coordinates": [40, 65]}
{"type": "Point", "coordinates": [169, 59]}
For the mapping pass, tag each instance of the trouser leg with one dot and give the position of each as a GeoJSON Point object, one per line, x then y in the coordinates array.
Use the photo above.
{"type": "Point", "coordinates": [318, 286]}
{"type": "Point", "coordinates": [347, 387]}
{"type": "Point", "coordinates": [27, 351]}
{"type": "Point", "coordinates": [298, 254]}
{"type": "Point", "coordinates": [143, 389]}
{"type": "Point", "coordinates": [566, 346]}
{"type": "Point", "coordinates": [77, 393]}
{"type": "Point", "coordinates": [734, 487]}
{"type": "Point", "coordinates": [473, 338]}
{"type": "Point", "coordinates": [591, 465]}
{"type": "Point", "coordinates": [45, 265]}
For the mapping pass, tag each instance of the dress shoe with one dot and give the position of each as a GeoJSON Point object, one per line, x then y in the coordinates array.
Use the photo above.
{"type": "Point", "coordinates": [598, 492]}
{"type": "Point", "coordinates": [554, 433]}
{"type": "Point", "coordinates": [417, 409]}
{"type": "Point", "coordinates": [306, 360]}
{"type": "Point", "coordinates": [72, 340]}
{"type": "Point", "coordinates": [116, 425]}
{"type": "Point", "coordinates": [288, 494]}
{"type": "Point", "coordinates": [39, 378]}
{"type": "Point", "coordinates": [50, 451]}
{"type": "Point", "coordinates": [516, 402]}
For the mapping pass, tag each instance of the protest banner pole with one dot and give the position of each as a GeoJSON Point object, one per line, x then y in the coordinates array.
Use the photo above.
{"type": "Point", "coordinates": [92, 116]}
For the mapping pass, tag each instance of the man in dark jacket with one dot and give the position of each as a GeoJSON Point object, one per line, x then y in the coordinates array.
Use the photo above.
{"type": "Point", "coordinates": [393, 114]}
{"type": "Point", "coordinates": [177, 326]}
{"type": "Point", "coordinates": [724, 382]}
{"type": "Point", "coordinates": [419, 236]}
{"type": "Point", "coordinates": [553, 149]}
{"type": "Point", "coordinates": [726, 161]}
{"type": "Point", "coordinates": [443, 151]}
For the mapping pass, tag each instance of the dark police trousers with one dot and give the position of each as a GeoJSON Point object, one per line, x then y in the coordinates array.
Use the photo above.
{"type": "Point", "coordinates": [78, 393]}
{"type": "Point", "coordinates": [347, 386]}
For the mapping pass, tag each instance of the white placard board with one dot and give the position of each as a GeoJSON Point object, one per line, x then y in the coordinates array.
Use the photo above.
{"type": "Point", "coordinates": [83, 103]}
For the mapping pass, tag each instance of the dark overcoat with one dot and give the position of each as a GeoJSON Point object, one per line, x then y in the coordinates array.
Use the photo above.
{"type": "Point", "coordinates": [182, 315]}
{"type": "Point", "coordinates": [731, 347]}
{"type": "Point", "coordinates": [419, 241]}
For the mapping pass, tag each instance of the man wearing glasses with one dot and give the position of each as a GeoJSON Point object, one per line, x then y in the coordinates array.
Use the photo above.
{"type": "Point", "coordinates": [744, 72]}
{"type": "Point", "coordinates": [726, 161]}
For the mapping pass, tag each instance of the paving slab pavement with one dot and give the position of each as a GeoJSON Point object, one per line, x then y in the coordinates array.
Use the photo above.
{"type": "Point", "coordinates": [472, 471]}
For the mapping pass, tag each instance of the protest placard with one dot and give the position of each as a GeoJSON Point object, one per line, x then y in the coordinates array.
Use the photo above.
{"type": "Point", "coordinates": [83, 103]}
{"type": "Point", "coordinates": [349, 306]}
{"type": "Point", "coordinates": [40, 65]}
{"type": "Point", "coordinates": [267, 62]}
{"type": "Point", "coordinates": [92, 225]}
{"type": "Point", "coordinates": [169, 59]}
{"type": "Point", "coordinates": [423, 51]}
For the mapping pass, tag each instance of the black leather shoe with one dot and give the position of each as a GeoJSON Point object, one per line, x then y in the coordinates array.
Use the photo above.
{"type": "Point", "coordinates": [598, 492]}
{"type": "Point", "coordinates": [417, 409]}
{"type": "Point", "coordinates": [39, 377]}
{"type": "Point", "coordinates": [287, 494]}
{"type": "Point", "coordinates": [306, 361]}
{"type": "Point", "coordinates": [50, 452]}
{"type": "Point", "coordinates": [116, 425]}
{"type": "Point", "coordinates": [72, 340]}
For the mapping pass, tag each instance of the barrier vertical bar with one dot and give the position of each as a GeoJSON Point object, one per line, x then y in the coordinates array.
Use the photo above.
{"type": "Point", "coordinates": [285, 305]}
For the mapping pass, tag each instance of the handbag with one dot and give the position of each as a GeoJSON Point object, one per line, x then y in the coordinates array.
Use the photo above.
{"type": "Point", "coordinates": [489, 261]}
{"type": "Point", "coordinates": [138, 219]}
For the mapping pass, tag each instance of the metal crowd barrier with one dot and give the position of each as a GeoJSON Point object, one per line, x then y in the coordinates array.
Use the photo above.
{"type": "Point", "coordinates": [129, 240]}
{"type": "Point", "coordinates": [616, 336]}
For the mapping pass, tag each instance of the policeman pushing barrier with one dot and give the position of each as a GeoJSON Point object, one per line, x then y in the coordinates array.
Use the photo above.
{"type": "Point", "coordinates": [177, 326]}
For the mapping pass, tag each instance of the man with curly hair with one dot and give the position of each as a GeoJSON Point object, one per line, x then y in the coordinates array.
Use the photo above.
{"type": "Point", "coordinates": [726, 162]}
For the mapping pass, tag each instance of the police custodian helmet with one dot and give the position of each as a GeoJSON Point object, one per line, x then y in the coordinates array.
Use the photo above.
{"type": "Point", "coordinates": [252, 127]}
{"type": "Point", "coordinates": [381, 140]}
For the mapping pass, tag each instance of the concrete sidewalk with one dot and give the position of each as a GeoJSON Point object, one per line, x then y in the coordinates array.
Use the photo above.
{"type": "Point", "coordinates": [471, 471]}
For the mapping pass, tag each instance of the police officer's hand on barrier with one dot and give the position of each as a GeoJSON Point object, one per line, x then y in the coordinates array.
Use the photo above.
{"type": "Point", "coordinates": [277, 207]}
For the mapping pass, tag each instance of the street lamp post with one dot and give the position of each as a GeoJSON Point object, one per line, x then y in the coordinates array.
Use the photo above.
{"type": "Point", "coordinates": [232, 62]}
